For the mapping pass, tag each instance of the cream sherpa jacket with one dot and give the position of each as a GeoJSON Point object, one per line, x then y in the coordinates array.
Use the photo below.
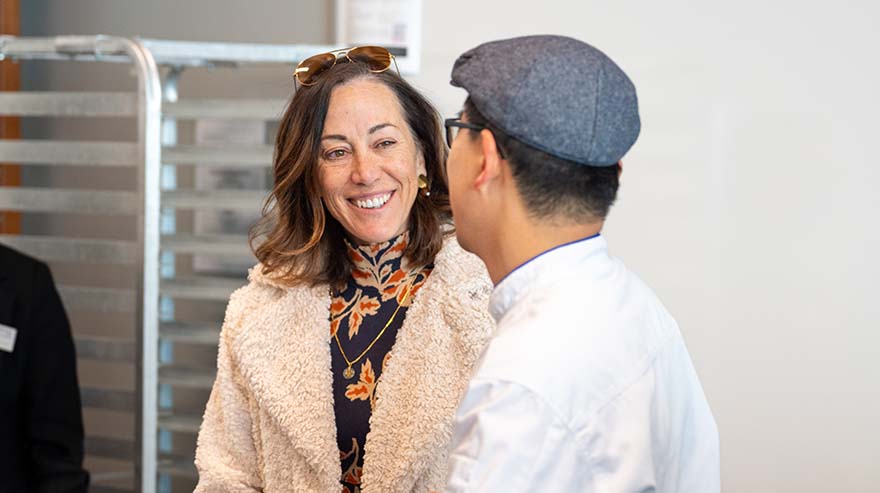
{"type": "Point", "coordinates": [269, 424]}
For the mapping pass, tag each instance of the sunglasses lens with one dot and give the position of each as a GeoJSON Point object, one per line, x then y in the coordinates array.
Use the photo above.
{"type": "Point", "coordinates": [378, 59]}
{"type": "Point", "coordinates": [312, 67]}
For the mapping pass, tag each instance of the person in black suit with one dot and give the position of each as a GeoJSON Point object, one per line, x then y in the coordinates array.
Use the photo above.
{"type": "Point", "coordinates": [41, 430]}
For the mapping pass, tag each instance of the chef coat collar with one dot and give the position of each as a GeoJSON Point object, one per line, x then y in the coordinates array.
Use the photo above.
{"type": "Point", "coordinates": [547, 265]}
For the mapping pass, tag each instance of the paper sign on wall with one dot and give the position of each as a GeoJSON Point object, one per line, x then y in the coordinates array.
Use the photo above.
{"type": "Point", "coordinates": [394, 24]}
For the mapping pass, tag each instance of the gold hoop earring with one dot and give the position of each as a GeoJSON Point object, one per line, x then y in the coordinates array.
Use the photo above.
{"type": "Point", "coordinates": [423, 186]}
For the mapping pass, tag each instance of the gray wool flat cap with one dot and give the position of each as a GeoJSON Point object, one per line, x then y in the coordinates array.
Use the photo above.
{"type": "Point", "coordinates": [557, 94]}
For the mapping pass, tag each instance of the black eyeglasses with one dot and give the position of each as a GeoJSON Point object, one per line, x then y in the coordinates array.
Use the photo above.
{"type": "Point", "coordinates": [454, 124]}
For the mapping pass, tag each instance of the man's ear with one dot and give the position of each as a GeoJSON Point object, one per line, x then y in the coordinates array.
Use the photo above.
{"type": "Point", "coordinates": [619, 168]}
{"type": "Point", "coordinates": [491, 163]}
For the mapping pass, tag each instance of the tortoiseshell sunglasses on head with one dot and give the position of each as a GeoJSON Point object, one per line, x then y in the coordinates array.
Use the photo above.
{"type": "Point", "coordinates": [376, 58]}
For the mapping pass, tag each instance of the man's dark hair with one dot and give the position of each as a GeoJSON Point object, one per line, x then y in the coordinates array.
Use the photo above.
{"type": "Point", "coordinates": [551, 186]}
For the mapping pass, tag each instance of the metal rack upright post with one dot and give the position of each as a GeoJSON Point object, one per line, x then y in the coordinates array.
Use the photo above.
{"type": "Point", "coordinates": [159, 245]}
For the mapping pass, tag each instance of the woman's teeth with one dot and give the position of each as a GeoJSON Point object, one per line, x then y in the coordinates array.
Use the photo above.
{"type": "Point", "coordinates": [374, 202]}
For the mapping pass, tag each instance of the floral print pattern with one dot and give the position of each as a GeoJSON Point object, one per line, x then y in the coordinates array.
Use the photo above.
{"type": "Point", "coordinates": [365, 389]}
{"type": "Point", "coordinates": [379, 282]}
{"type": "Point", "coordinates": [351, 476]}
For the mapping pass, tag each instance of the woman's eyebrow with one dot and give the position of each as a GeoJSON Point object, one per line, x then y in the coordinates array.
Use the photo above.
{"type": "Point", "coordinates": [380, 126]}
{"type": "Point", "coordinates": [372, 130]}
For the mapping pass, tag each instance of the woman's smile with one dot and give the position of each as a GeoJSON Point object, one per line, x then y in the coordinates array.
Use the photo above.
{"type": "Point", "coordinates": [369, 162]}
{"type": "Point", "coordinates": [372, 202]}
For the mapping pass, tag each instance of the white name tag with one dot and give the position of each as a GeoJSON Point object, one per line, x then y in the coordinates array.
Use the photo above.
{"type": "Point", "coordinates": [7, 338]}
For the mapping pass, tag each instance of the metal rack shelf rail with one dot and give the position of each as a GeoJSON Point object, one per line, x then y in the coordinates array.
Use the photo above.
{"type": "Point", "coordinates": [156, 155]}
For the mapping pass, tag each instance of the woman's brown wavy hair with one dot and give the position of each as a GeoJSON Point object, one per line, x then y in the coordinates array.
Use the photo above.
{"type": "Point", "coordinates": [296, 240]}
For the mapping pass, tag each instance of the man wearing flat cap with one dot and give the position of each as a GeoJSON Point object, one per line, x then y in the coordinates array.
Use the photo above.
{"type": "Point", "coordinates": [587, 385]}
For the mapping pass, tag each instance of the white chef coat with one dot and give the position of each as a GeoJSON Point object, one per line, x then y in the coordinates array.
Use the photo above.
{"type": "Point", "coordinates": [587, 386]}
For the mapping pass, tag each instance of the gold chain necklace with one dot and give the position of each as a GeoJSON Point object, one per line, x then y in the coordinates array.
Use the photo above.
{"type": "Point", "coordinates": [348, 373]}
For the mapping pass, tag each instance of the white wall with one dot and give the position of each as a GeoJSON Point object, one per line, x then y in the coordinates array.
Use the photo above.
{"type": "Point", "coordinates": [747, 203]}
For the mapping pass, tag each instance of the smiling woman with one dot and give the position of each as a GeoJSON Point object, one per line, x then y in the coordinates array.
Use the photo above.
{"type": "Point", "coordinates": [295, 239]}
{"type": "Point", "coordinates": [369, 162]}
{"type": "Point", "coordinates": [364, 317]}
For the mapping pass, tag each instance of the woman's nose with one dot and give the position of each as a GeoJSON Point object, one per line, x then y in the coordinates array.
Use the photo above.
{"type": "Point", "coordinates": [367, 169]}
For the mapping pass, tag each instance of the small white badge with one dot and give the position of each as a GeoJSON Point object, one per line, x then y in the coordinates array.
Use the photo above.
{"type": "Point", "coordinates": [7, 338]}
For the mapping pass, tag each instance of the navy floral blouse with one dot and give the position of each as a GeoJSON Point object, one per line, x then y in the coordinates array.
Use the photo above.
{"type": "Point", "coordinates": [378, 285]}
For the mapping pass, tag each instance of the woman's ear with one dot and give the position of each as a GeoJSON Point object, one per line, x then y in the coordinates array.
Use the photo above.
{"type": "Point", "coordinates": [420, 164]}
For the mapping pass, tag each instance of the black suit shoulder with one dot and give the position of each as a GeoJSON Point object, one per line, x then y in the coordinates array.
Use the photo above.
{"type": "Point", "coordinates": [41, 434]}
{"type": "Point", "coordinates": [24, 282]}
{"type": "Point", "coordinates": [20, 266]}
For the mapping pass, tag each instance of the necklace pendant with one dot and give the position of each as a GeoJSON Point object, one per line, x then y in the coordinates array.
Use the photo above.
{"type": "Point", "coordinates": [348, 373]}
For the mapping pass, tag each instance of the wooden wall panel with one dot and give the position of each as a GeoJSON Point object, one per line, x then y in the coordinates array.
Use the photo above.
{"type": "Point", "coordinates": [10, 127]}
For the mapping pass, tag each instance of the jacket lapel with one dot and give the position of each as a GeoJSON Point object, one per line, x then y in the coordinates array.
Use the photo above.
{"type": "Point", "coordinates": [7, 294]}
{"type": "Point", "coordinates": [284, 355]}
{"type": "Point", "coordinates": [7, 297]}
{"type": "Point", "coordinates": [444, 333]}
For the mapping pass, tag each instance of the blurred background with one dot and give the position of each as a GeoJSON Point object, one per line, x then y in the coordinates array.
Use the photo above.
{"type": "Point", "coordinates": [747, 204]}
